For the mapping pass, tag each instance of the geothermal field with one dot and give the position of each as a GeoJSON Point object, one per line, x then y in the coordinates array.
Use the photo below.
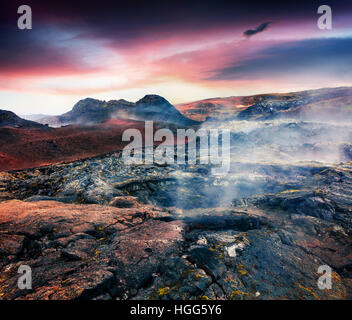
{"type": "Point", "coordinates": [92, 226]}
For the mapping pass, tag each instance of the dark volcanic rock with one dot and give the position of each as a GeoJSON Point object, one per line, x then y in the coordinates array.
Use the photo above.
{"type": "Point", "coordinates": [124, 202]}
{"type": "Point", "coordinates": [81, 251]}
{"type": "Point", "coordinates": [92, 111]}
{"type": "Point", "coordinates": [264, 263]}
{"type": "Point", "coordinates": [9, 119]}
{"type": "Point", "coordinates": [100, 252]}
{"type": "Point", "coordinates": [154, 107]}
{"type": "Point", "coordinates": [285, 222]}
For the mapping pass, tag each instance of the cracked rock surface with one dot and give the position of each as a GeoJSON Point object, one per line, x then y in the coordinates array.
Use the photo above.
{"type": "Point", "coordinates": [82, 251]}
{"type": "Point", "coordinates": [96, 229]}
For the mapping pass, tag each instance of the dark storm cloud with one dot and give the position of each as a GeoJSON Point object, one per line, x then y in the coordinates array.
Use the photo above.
{"type": "Point", "coordinates": [126, 23]}
{"type": "Point", "coordinates": [261, 28]}
{"type": "Point", "coordinates": [317, 56]}
{"type": "Point", "coordinates": [21, 51]}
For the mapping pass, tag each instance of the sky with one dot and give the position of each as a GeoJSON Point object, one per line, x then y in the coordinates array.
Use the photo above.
{"type": "Point", "coordinates": [181, 50]}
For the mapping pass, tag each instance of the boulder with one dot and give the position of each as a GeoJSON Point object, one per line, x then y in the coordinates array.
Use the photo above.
{"type": "Point", "coordinates": [124, 202]}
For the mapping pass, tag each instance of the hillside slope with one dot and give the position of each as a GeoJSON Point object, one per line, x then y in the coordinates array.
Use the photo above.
{"type": "Point", "coordinates": [321, 104]}
{"type": "Point", "coordinates": [93, 111]}
{"type": "Point", "coordinates": [10, 119]}
{"type": "Point", "coordinates": [25, 148]}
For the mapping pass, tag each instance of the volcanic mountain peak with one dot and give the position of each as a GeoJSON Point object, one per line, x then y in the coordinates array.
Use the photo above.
{"type": "Point", "coordinates": [10, 119]}
{"type": "Point", "coordinates": [88, 104]}
{"type": "Point", "coordinates": [93, 111]}
{"type": "Point", "coordinates": [154, 107]}
{"type": "Point", "coordinates": [5, 115]}
{"type": "Point", "coordinates": [119, 103]}
{"type": "Point", "coordinates": [153, 99]}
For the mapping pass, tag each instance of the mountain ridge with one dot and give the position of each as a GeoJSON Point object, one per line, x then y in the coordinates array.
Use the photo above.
{"type": "Point", "coordinates": [93, 111]}
{"type": "Point", "coordinates": [317, 104]}
{"type": "Point", "coordinates": [10, 119]}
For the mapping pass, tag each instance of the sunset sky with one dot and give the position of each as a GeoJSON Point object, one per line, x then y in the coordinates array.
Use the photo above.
{"type": "Point", "coordinates": [183, 51]}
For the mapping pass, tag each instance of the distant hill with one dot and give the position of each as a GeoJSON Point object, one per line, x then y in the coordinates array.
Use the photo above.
{"type": "Point", "coordinates": [154, 107]}
{"type": "Point", "coordinates": [10, 119]}
{"type": "Point", "coordinates": [93, 111]}
{"type": "Point", "coordinates": [25, 143]}
{"type": "Point", "coordinates": [320, 104]}
{"type": "Point", "coordinates": [33, 117]}
{"type": "Point", "coordinates": [33, 147]}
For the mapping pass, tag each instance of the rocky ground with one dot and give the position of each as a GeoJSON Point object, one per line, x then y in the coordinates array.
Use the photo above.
{"type": "Point", "coordinates": [22, 148]}
{"type": "Point", "coordinates": [323, 104]}
{"type": "Point", "coordinates": [98, 229]}
{"type": "Point", "coordinates": [92, 227]}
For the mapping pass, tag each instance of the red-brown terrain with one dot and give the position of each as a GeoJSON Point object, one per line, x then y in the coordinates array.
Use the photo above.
{"type": "Point", "coordinates": [98, 243]}
{"type": "Point", "coordinates": [22, 148]}
{"type": "Point", "coordinates": [26, 148]}
{"type": "Point", "coordinates": [215, 107]}
{"type": "Point", "coordinates": [100, 229]}
{"type": "Point", "coordinates": [25, 144]}
{"type": "Point", "coordinates": [318, 104]}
